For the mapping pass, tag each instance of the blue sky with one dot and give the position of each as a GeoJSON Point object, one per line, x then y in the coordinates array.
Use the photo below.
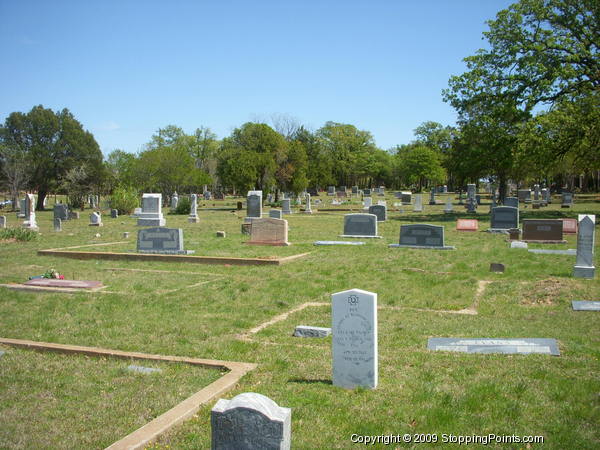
{"type": "Point", "coordinates": [125, 68]}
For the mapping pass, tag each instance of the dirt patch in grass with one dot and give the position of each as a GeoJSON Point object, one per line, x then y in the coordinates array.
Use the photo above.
{"type": "Point", "coordinates": [544, 292]}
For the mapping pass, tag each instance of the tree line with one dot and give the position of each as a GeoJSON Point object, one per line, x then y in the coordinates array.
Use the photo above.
{"type": "Point", "coordinates": [528, 111]}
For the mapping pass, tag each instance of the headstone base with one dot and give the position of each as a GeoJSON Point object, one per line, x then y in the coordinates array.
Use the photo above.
{"type": "Point", "coordinates": [308, 331]}
{"type": "Point", "coordinates": [339, 243]}
{"type": "Point", "coordinates": [151, 222]}
{"type": "Point", "coordinates": [499, 230]}
{"type": "Point", "coordinates": [274, 244]}
{"type": "Point", "coordinates": [533, 241]}
{"type": "Point", "coordinates": [359, 236]}
{"type": "Point", "coordinates": [168, 252]}
{"type": "Point", "coordinates": [583, 271]}
{"type": "Point", "coordinates": [426, 247]}
{"type": "Point", "coordinates": [95, 224]}
{"type": "Point", "coordinates": [193, 219]}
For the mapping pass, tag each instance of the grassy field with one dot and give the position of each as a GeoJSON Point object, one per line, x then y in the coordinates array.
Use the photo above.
{"type": "Point", "coordinates": [207, 311]}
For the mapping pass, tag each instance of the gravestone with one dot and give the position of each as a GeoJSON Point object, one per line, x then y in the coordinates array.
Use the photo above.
{"type": "Point", "coordinates": [239, 206]}
{"type": "Point", "coordinates": [354, 343]}
{"type": "Point", "coordinates": [275, 214]}
{"type": "Point", "coordinates": [308, 331]}
{"type": "Point", "coordinates": [331, 190]}
{"type": "Point", "coordinates": [406, 197]}
{"type": "Point", "coordinates": [151, 215]}
{"type": "Point", "coordinates": [137, 212]}
{"type": "Point", "coordinates": [57, 224]}
{"type": "Point", "coordinates": [445, 189]}
{"type": "Point", "coordinates": [584, 264]}
{"type": "Point", "coordinates": [95, 220]}
{"type": "Point", "coordinates": [380, 211]}
{"type": "Point", "coordinates": [366, 192]}
{"type": "Point", "coordinates": [547, 196]}
{"type": "Point", "coordinates": [61, 211]}
{"type": "Point", "coordinates": [269, 231]}
{"type": "Point", "coordinates": [448, 207]}
{"type": "Point", "coordinates": [544, 196]}
{"type": "Point", "coordinates": [471, 190]}
{"type": "Point", "coordinates": [254, 204]}
{"type": "Point", "coordinates": [360, 225]}
{"type": "Point", "coordinates": [582, 305]}
{"type": "Point", "coordinates": [220, 234]}
{"type": "Point", "coordinates": [418, 207]}
{"type": "Point", "coordinates": [21, 213]}
{"type": "Point", "coordinates": [569, 226]}
{"type": "Point", "coordinates": [494, 345]}
{"type": "Point", "coordinates": [174, 201]}
{"type": "Point", "coordinates": [518, 244]}
{"type": "Point", "coordinates": [250, 421]}
{"type": "Point", "coordinates": [567, 200]}
{"type": "Point", "coordinates": [207, 195]}
{"type": "Point", "coordinates": [497, 267]}
{"type": "Point", "coordinates": [354, 190]}
{"type": "Point", "coordinates": [247, 228]}
{"type": "Point", "coordinates": [368, 202]}
{"type": "Point", "coordinates": [543, 230]}
{"type": "Point", "coordinates": [2, 222]}
{"type": "Point", "coordinates": [286, 206]}
{"type": "Point", "coordinates": [478, 199]}
{"type": "Point", "coordinates": [126, 234]}
{"type": "Point", "coordinates": [504, 218]}
{"type": "Point", "coordinates": [511, 201]}
{"type": "Point", "coordinates": [30, 222]}
{"type": "Point", "coordinates": [193, 217]}
{"type": "Point", "coordinates": [432, 197]}
{"type": "Point", "coordinates": [339, 243]}
{"type": "Point", "coordinates": [381, 191]}
{"type": "Point", "coordinates": [219, 195]}
{"type": "Point", "coordinates": [467, 225]}
{"type": "Point", "coordinates": [524, 195]}
{"type": "Point", "coordinates": [161, 240]}
{"type": "Point", "coordinates": [73, 215]}
{"type": "Point", "coordinates": [422, 235]}
{"type": "Point", "coordinates": [114, 213]}
{"type": "Point", "coordinates": [536, 192]}
{"type": "Point", "coordinates": [307, 208]}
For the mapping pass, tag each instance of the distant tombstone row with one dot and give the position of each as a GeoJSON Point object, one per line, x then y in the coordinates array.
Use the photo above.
{"type": "Point", "coordinates": [161, 240]}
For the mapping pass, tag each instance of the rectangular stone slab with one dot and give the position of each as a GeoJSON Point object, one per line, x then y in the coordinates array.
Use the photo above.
{"type": "Point", "coordinates": [467, 224]}
{"type": "Point", "coordinates": [308, 331]}
{"type": "Point", "coordinates": [142, 369]}
{"type": "Point", "coordinates": [569, 226]}
{"type": "Point", "coordinates": [542, 251]}
{"type": "Point", "coordinates": [53, 282]}
{"type": "Point", "coordinates": [495, 345]}
{"type": "Point", "coordinates": [583, 305]}
{"type": "Point", "coordinates": [339, 243]}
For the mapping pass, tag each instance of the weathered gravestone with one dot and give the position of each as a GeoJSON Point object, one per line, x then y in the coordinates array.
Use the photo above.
{"type": "Point", "coordinates": [406, 197]}
{"type": "Point", "coordinates": [548, 231]}
{"type": "Point", "coordinates": [95, 220]}
{"type": "Point", "coordinates": [151, 215]}
{"type": "Point", "coordinates": [569, 226]}
{"type": "Point", "coordinates": [380, 211]}
{"type": "Point", "coordinates": [544, 196]}
{"type": "Point", "coordinates": [467, 225]}
{"type": "Point", "coordinates": [30, 222]}
{"type": "Point", "coordinates": [354, 343]}
{"type": "Point", "coordinates": [524, 195]}
{"type": "Point", "coordinates": [504, 218]}
{"type": "Point", "coordinates": [254, 204]}
{"type": "Point", "coordinates": [307, 208]}
{"type": "Point", "coordinates": [360, 225]}
{"type": "Point", "coordinates": [511, 201]}
{"type": "Point", "coordinates": [269, 231]}
{"type": "Point", "coordinates": [286, 206]}
{"type": "Point", "coordinates": [250, 421]}
{"type": "Point", "coordinates": [448, 207]}
{"type": "Point", "coordinates": [2, 222]}
{"type": "Point", "coordinates": [161, 240]}
{"type": "Point", "coordinates": [21, 212]}
{"type": "Point", "coordinates": [368, 201]}
{"type": "Point", "coordinates": [418, 207]}
{"type": "Point", "coordinates": [330, 190]}
{"type": "Point", "coordinates": [57, 224]}
{"type": "Point", "coordinates": [61, 211]}
{"type": "Point", "coordinates": [491, 345]}
{"type": "Point", "coordinates": [422, 235]}
{"type": "Point", "coordinates": [582, 305]}
{"type": "Point", "coordinates": [432, 197]}
{"type": "Point", "coordinates": [366, 192]}
{"type": "Point", "coordinates": [567, 200]}
{"type": "Point", "coordinates": [174, 201]}
{"type": "Point", "coordinates": [114, 213]}
{"type": "Point", "coordinates": [193, 217]}
{"type": "Point", "coordinates": [275, 214]}
{"type": "Point", "coordinates": [308, 331]}
{"type": "Point", "coordinates": [584, 264]}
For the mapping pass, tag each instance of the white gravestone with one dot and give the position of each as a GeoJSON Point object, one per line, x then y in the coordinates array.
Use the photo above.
{"type": "Point", "coordinates": [307, 208]}
{"type": "Point", "coordinates": [151, 215]}
{"type": "Point", "coordinates": [30, 222]}
{"type": "Point", "coordinates": [354, 344]}
{"type": "Point", "coordinates": [584, 264]}
{"type": "Point", "coordinates": [418, 207]}
{"type": "Point", "coordinates": [95, 220]}
{"type": "Point", "coordinates": [193, 217]}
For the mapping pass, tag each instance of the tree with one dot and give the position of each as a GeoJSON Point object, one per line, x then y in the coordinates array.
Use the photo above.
{"type": "Point", "coordinates": [54, 143]}
{"type": "Point", "coordinates": [121, 167]}
{"type": "Point", "coordinates": [14, 165]}
{"type": "Point", "coordinates": [319, 170]}
{"type": "Point", "coordinates": [416, 164]}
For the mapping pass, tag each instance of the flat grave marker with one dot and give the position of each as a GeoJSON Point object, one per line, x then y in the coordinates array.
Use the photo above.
{"type": "Point", "coordinates": [309, 331]}
{"type": "Point", "coordinates": [467, 225]}
{"type": "Point", "coordinates": [585, 305]}
{"type": "Point", "coordinates": [495, 345]}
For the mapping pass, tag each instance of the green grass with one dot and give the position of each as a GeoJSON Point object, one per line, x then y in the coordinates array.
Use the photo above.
{"type": "Point", "coordinates": [199, 311]}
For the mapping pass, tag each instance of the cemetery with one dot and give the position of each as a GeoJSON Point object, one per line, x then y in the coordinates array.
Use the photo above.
{"type": "Point", "coordinates": [452, 323]}
{"type": "Point", "coordinates": [410, 262]}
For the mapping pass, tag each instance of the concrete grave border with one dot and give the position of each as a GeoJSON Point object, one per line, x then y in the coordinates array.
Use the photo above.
{"type": "Point", "coordinates": [184, 410]}
{"type": "Point", "coordinates": [62, 252]}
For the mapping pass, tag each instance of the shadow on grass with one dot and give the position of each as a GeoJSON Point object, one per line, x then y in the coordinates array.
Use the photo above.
{"type": "Point", "coordinates": [306, 381]}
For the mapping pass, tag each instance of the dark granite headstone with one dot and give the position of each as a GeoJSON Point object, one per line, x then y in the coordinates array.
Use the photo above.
{"type": "Point", "coordinates": [360, 225]}
{"type": "Point", "coordinates": [548, 230]}
{"type": "Point", "coordinates": [511, 201]}
{"type": "Point", "coordinates": [380, 211]}
{"type": "Point", "coordinates": [504, 218]}
{"type": "Point", "coordinates": [61, 211]}
{"type": "Point", "coordinates": [422, 235]}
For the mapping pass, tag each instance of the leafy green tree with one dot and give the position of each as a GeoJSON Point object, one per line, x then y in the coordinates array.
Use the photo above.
{"type": "Point", "coordinates": [319, 170]}
{"type": "Point", "coordinates": [121, 167]}
{"type": "Point", "coordinates": [236, 169]}
{"type": "Point", "coordinates": [14, 170]}
{"type": "Point", "coordinates": [291, 174]}
{"type": "Point", "coordinates": [417, 164]}
{"type": "Point", "coordinates": [54, 143]}
{"type": "Point", "coordinates": [125, 199]}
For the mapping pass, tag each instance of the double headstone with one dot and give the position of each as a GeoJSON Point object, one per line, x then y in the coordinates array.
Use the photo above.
{"type": "Point", "coordinates": [354, 340]}
{"type": "Point", "coordinates": [161, 240]}
{"type": "Point", "coordinates": [269, 231]}
{"type": "Point", "coordinates": [504, 218]}
{"type": "Point", "coordinates": [543, 230]}
{"type": "Point", "coordinates": [151, 215]}
{"type": "Point", "coordinates": [422, 236]}
{"type": "Point", "coordinates": [360, 225]}
{"type": "Point", "coordinates": [250, 421]}
{"type": "Point", "coordinates": [193, 217]}
{"type": "Point", "coordinates": [584, 264]}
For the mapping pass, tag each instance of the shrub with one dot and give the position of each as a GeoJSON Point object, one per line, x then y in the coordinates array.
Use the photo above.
{"type": "Point", "coordinates": [125, 199]}
{"type": "Point", "coordinates": [20, 234]}
{"type": "Point", "coordinates": [184, 206]}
